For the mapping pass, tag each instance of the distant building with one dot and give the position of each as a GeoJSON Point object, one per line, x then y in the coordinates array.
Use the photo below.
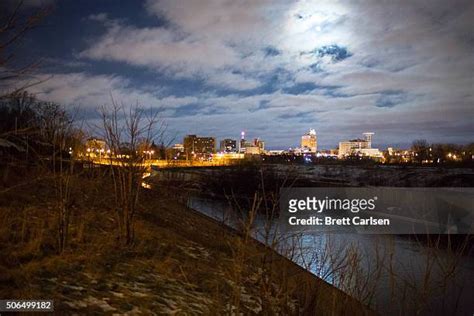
{"type": "Point", "coordinates": [368, 138]}
{"type": "Point", "coordinates": [195, 146]}
{"type": "Point", "coordinates": [260, 144]}
{"type": "Point", "coordinates": [95, 144]}
{"type": "Point", "coordinates": [228, 145]}
{"type": "Point", "coordinates": [361, 147]}
{"type": "Point", "coordinates": [96, 147]}
{"type": "Point", "coordinates": [275, 152]}
{"type": "Point", "coordinates": [252, 150]}
{"type": "Point", "coordinates": [256, 147]}
{"type": "Point", "coordinates": [178, 147]}
{"type": "Point", "coordinates": [175, 152]}
{"type": "Point", "coordinates": [227, 156]}
{"type": "Point", "coordinates": [350, 147]}
{"type": "Point", "coordinates": [243, 144]}
{"type": "Point", "coordinates": [309, 142]}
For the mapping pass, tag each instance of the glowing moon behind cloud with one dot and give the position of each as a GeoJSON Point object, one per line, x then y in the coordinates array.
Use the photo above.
{"type": "Point", "coordinates": [310, 24]}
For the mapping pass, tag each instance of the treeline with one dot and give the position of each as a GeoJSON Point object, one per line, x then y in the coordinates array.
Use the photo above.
{"type": "Point", "coordinates": [32, 130]}
{"type": "Point", "coordinates": [438, 153]}
{"type": "Point", "coordinates": [39, 141]}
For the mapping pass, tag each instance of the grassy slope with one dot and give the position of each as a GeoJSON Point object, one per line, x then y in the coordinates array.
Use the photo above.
{"type": "Point", "coordinates": [182, 262]}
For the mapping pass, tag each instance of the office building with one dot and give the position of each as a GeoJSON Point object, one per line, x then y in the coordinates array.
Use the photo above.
{"type": "Point", "coordinates": [175, 152]}
{"type": "Point", "coordinates": [260, 144]}
{"type": "Point", "coordinates": [228, 145]}
{"type": "Point", "coordinates": [309, 142]}
{"type": "Point", "coordinates": [359, 147]}
{"type": "Point", "coordinates": [256, 147]}
{"type": "Point", "coordinates": [196, 146]}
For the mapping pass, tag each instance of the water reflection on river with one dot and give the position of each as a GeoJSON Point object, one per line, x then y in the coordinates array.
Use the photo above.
{"type": "Point", "coordinates": [386, 271]}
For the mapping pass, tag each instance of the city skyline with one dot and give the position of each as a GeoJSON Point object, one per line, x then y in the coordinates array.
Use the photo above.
{"type": "Point", "coordinates": [308, 143]}
{"type": "Point", "coordinates": [401, 69]}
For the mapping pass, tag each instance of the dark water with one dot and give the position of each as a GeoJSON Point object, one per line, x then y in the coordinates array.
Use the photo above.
{"type": "Point", "coordinates": [393, 275]}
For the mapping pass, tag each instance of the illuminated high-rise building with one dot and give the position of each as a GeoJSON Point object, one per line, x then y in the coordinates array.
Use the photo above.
{"type": "Point", "coordinates": [256, 147]}
{"type": "Point", "coordinates": [368, 138]}
{"type": "Point", "coordinates": [198, 146]}
{"type": "Point", "coordinates": [309, 142]}
{"type": "Point", "coordinates": [243, 144]}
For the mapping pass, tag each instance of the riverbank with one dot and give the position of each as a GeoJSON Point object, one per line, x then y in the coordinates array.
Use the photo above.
{"type": "Point", "coordinates": [181, 261]}
{"type": "Point", "coordinates": [394, 274]}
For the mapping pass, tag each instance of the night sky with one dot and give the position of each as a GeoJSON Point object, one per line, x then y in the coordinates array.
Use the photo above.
{"type": "Point", "coordinates": [401, 69]}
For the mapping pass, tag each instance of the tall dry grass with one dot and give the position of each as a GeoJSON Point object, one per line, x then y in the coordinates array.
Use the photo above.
{"type": "Point", "coordinates": [378, 275]}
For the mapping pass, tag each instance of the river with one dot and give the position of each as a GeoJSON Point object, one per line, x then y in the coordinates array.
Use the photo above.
{"type": "Point", "coordinates": [394, 275]}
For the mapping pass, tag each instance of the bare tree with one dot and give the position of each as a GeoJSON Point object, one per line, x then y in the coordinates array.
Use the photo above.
{"type": "Point", "coordinates": [56, 128]}
{"type": "Point", "coordinates": [420, 148]}
{"type": "Point", "coordinates": [127, 131]}
{"type": "Point", "coordinates": [14, 25]}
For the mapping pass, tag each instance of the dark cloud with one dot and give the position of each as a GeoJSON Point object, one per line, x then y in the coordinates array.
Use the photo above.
{"type": "Point", "coordinates": [271, 51]}
{"type": "Point", "coordinates": [388, 99]}
{"type": "Point", "coordinates": [300, 88]}
{"type": "Point", "coordinates": [336, 52]}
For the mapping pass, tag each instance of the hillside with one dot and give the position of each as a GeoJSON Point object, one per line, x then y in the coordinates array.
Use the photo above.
{"type": "Point", "coordinates": [181, 262]}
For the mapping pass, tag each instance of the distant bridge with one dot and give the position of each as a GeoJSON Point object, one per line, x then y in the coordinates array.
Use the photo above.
{"type": "Point", "coordinates": [166, 164]}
